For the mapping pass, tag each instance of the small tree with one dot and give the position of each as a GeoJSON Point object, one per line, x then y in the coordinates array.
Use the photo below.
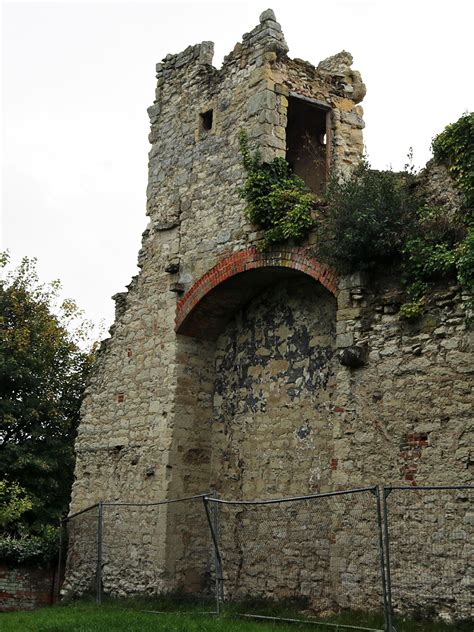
{"type": "Point", "coordinates": [365, 220]}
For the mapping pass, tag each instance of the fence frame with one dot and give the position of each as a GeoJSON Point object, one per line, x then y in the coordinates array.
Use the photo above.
{"type": "Point", "coordinates": [387, 490]}
{"type": "Point", "coordinates": [214, 500]}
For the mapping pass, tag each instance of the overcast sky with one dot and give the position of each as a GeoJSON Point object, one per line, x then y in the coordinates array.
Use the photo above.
{"type": "Point", "coordinates": [77, 78]}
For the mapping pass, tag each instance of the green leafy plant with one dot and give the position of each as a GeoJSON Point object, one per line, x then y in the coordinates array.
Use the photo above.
{"type": "Point", "coordinates": [365, 220]}
{"type": "Point", "coordinates": [30, 549]}
{"type": "Point", "coordinates": [442, 245]}
{"type": "Point", "coordinates": [413, 309]}
{"type": "Point", "coordinates": [377, 219]}
{"type": "Point", "coordinates": [43, 372]}
{"type": "Point", "coordinates": [14, 501]}
{"type": "Point", "coordinates": [431, 252]}
{"type": "Point", "coordinates": [278, 201]}
{"type": "Point", "coordinates": [465, 268]}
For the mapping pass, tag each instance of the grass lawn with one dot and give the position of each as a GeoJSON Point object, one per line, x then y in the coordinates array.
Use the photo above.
{"type": "Point", "coordinates": [131, 616]}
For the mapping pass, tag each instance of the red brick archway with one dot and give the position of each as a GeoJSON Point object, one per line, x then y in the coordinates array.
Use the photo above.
{"type": "Point", "coordinates": [210, 303]}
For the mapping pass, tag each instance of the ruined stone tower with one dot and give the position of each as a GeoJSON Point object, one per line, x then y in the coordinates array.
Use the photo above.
{"type": "Point", "coordinates": [221, 370]}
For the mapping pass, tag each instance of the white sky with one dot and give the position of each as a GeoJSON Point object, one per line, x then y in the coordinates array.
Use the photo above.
{"type": "Point", "coordinates": [77, 78]}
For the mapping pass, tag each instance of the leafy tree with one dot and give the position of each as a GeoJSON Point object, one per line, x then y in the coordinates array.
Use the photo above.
{"type": "Point", "coordinates": [43, 370]}
{"type": "Point", "coordinates": [14, 501]}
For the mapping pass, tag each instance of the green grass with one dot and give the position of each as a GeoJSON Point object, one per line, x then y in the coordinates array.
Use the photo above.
{"type": "Point", "coordinates": [135, 616]}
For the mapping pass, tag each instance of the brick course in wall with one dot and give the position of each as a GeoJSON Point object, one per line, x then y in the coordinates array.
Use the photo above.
{"type": "Point", "coordinates": [286, 257]}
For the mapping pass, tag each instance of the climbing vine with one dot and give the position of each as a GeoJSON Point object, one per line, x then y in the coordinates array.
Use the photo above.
{"type": "Point", "coordinates": [278, 201]}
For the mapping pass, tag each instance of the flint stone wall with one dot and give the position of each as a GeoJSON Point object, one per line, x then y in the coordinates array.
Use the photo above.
{"type": "Point", "coordinates": [255, 413]}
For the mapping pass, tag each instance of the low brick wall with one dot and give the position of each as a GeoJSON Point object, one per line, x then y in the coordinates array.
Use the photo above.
{"type": "Point", "coordinates": [23, 588]}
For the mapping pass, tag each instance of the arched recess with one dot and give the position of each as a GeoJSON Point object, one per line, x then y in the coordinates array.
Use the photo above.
{"type": "Point", "coordinates": [210, 303]}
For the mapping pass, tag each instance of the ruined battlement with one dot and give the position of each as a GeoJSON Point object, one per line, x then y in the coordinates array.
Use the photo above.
{"type": "Point", "coordinates": [195, 165]}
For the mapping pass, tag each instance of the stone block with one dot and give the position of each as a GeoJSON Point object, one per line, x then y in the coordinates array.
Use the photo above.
{"type": "Point", "coordinates": [260, 101]}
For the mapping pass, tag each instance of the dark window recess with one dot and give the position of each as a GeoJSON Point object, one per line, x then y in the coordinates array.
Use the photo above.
{"type": "Point", "coordinates": [307, 150]}
{"type": "Point", "coordinates": [206, 121]}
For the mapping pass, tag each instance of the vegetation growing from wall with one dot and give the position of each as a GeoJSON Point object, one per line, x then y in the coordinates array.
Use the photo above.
{"type": "Point", "coordinates": [379, 218]}
{"type": "Point", "coordinates": [278, 201]}
{"type": "Point", "coordinates": [365, 219]}
{"type": "Point", "coordinates": [42, 377]}
{"type": "Point", "coordinates": [443, 244]}
{"type": "Point", "coordinates": [454, 147]}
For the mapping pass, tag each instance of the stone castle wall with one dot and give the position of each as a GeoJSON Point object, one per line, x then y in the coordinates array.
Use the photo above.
{"type": "Point", "coordinates": [249, 397]}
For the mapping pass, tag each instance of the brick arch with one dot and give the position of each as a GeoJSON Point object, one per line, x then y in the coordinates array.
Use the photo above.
{"type": "Point", "coordinates": [210, 303]}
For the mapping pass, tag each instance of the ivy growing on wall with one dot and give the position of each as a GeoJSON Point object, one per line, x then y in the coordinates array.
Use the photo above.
{"type": "Point", "coordinates": [443, 245]}
{"type": "Point", "coordinates": [454, 147]}
{"type": "Point", "coordinates": [278, 201]}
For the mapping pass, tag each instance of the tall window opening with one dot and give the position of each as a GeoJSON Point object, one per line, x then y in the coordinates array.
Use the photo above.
{"type": "Point", "coordinates": [307, 141]}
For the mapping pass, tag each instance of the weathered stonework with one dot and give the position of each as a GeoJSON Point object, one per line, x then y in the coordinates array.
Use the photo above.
{"type": "Point", "coordinates": [258, 375]}
{"type": "Point", "coordinates": [275, 366]}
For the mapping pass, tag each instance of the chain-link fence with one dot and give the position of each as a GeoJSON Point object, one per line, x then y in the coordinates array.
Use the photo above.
{"type": "Point", "coordinates": [139, 549]}
{"type": "Point", "coordinates": [168, 549]}
{"type": "Point", "coordinates": [322, 553]}
{"type": "Point", "coordinates": [79, 550]}
{"type": "Point", "coordinates": [430, 552]}
{"type": "Point", "coordinates": [393, 551]}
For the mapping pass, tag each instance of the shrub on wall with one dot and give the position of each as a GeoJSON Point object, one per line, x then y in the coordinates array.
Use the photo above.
{"type": "Point", "coordinates": [442, 245]}
{"type": "Point", "coordinates": [465, 267]}
{"type": "Point", "coordinates": [365, 220]}
{"type": "Point", "coordinates": [375, 218]}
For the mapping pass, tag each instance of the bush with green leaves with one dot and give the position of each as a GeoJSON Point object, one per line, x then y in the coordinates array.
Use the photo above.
{"type": "Point", "coordinates": [30, 549]}
{"type": "Point", "coordinates": [17, 544]}
{"type": "Point", "coordinates": [365, 220]}
{"type": "Point", "coordinates": [278, 201]}
{"type": "Point", "coordinates": [380, 218]}
{"type": "Point", "coordinates": [14, 501]}
{"type": "Point", "coordinates": [465, 268]}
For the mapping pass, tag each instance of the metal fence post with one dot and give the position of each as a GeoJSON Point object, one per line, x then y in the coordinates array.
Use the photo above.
{"type": "Point", "coordinates": [386, 609]}
{"type": "Point", "coordinates": [215, 515]}
{"type": "Point", "coordinates": [386, 492]}
{"type": "Point", "coordinates": [99, 554]}
{"type": "Point", "coordinates": [60, 558]}
{"type": "Point", "coordinates": [212, 522]}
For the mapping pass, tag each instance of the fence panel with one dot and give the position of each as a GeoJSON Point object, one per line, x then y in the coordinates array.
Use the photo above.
{"type": "Point", "coordinates": [323, 551]}
{"type": "Point", "coordinates": [431, 551]}
{"type": "Point", "coordinates": [151, 549]}
{"type": "Point", "coordinates": [82, 559]}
